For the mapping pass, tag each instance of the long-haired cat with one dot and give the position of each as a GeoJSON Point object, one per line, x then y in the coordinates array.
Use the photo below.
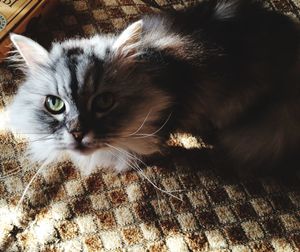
{"type": "Point", "coordinates": [227, 70]}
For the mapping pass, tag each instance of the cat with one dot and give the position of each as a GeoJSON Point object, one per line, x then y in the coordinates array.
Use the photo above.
{"type": "Point", "coordinates": [227, 70]}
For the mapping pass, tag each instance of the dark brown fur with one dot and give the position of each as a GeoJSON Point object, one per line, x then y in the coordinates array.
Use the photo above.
{"type": "Point", "coordinates": [240, 91]}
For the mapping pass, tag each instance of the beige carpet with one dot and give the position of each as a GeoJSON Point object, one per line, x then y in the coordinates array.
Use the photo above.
{"type": "Point", "coordinates": [123, 212]}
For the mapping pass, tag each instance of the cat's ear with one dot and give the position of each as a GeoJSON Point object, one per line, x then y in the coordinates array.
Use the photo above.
{"type": "Point", "coordinates": [127, 41]}
{"type": "Point", "coordinates": [32, 53]}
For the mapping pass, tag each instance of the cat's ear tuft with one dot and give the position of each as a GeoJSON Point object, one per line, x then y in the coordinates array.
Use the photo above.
{"type": "Point", "coordinates": [32, 53]}
{"type": "Point", "coordinates": [127, 41]}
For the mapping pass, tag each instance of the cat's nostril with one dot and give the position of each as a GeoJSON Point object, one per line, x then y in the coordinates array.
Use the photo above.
{"type": "Point", "coordinates": [78, 135]}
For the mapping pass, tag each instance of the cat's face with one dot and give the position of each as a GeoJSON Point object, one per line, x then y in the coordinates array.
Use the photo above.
{"type": "Point", "coordinates": [91, 98]}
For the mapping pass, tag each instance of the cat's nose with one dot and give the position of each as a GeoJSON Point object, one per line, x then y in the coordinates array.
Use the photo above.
{"type": "Point", "coordinates": [78, 135]}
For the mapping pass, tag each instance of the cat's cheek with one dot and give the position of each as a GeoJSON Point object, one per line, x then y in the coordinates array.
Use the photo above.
{"type": "Point", "coordinates": [44, 152]}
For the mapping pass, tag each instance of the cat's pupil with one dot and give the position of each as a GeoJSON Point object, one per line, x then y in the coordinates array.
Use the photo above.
{"type": "Point", "coordinates": [103, 102]}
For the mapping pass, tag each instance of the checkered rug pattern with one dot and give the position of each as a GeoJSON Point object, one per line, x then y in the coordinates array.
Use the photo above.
{"type": "Point", "coordinates": [64, 211]}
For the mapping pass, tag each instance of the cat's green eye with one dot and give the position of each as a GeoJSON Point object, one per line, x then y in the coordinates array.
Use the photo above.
{"type": "Point", "coordinates": [54, 104]}
{"type": "Point", "coordinates": [103, 102]}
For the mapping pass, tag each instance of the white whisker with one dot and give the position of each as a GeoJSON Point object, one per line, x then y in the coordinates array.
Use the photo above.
{"type": "Point", "coordinates": [143, 123]}
{"type": "Point", "coordinates": [126, 153]}
{"type": "Point", "coordinates": [40, 139]}
{"type": "Point", "coordinates": [152, 134]}
{"type": "Point", "coordinates": [29, 184]}
{"type": "Point", "coordinates": [44, 138]}
{"type": "Point", "coordinates": [137, 168]}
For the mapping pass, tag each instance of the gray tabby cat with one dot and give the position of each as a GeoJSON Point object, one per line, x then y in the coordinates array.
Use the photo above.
{"type": "Point", "coordinates": [227, 70]}
{"type": "Point", "coordinates": [85, 98]}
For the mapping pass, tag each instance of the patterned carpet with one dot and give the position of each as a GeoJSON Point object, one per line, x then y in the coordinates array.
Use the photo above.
{"type": "Point", "coordinates": [64, 211]}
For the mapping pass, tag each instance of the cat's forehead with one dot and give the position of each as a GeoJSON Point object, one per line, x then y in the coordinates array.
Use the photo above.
{"type": "Point", "coordinates": [76, 65]}
{"type": "Point", "coordinates": [97, 46]}
{"type": "Point", "coordinates": [73, 59]}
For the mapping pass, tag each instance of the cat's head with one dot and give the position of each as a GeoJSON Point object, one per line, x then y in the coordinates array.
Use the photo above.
{"type": "Point", "coordinates": [92, 98]}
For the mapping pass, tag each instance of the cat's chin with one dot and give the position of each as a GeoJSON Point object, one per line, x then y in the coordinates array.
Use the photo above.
{"type": "Point", "coordinates": [100, 158]}
{"type": "Point", "coordinates": [85, 151]}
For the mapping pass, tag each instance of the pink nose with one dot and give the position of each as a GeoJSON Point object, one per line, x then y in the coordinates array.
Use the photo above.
{"type": "Point", "coordinates": [78, 135]}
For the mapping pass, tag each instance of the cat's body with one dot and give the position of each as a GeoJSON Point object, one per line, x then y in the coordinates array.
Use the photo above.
{"type": "Point", "coordinates": [224, 70]}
